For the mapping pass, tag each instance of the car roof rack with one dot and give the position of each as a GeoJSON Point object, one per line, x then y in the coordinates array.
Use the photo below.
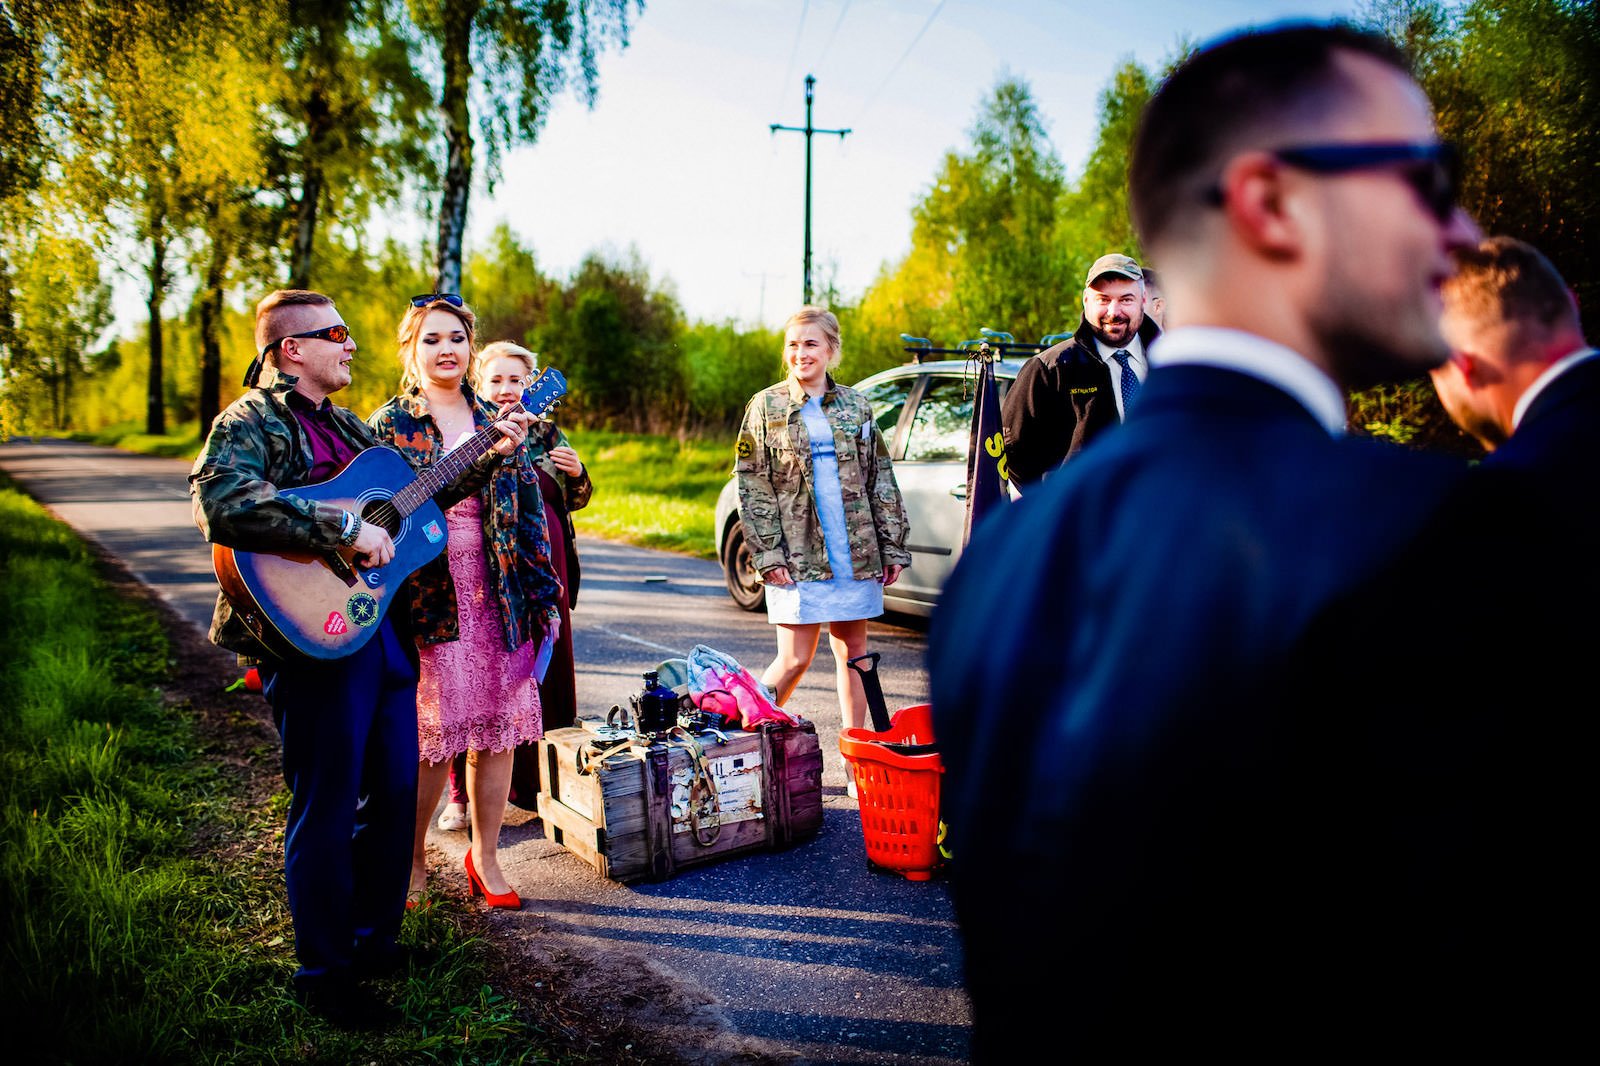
{"type": "Point", "coordinates": [1002, 344]}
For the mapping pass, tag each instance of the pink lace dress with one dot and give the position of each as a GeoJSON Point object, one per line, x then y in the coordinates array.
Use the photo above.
{"type": "Point", "coordinates": [472, 692]}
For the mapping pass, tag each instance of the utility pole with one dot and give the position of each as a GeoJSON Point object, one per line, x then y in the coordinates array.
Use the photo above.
{"type": "Point", "coordinates": [808, 129]}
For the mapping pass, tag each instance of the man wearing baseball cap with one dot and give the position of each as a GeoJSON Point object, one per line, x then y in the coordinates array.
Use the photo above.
{"type": "Point", "coordinates": [1077, 389]}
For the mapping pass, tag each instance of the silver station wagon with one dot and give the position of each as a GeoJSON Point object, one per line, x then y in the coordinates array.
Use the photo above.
{"type": "Point", "coordinates": [924, 411]}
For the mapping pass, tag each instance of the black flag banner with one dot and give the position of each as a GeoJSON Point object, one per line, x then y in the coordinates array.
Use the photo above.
{"type": "Point", "coordinates": [986, 448]}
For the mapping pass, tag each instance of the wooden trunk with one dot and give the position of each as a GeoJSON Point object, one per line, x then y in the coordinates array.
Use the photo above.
{"type": "Point", "coordinates": [630, 818]}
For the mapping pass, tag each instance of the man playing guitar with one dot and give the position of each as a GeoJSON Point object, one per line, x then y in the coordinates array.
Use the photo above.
{"type": "Point", "coordinates": [348, 724]}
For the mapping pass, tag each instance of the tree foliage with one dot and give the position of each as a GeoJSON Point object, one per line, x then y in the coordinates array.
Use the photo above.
{"type": "Point", "coordinates": [614, 336]}
{"type": "Point", "coordinates": [505, 60]}
{"type": "Point", "coordinates": [723, 366]}
{"type": "Point", "coordinates": [1092, 218]}
{"type": "Point", "coordinates": [357, 120]}
{"type": "Point", "coordinates": [1001, 239]}
{"type": "Point", "coordinates": [63, 304]}
{"type": "Point", "coordinates": [509, 293]}
{"type": "Point", "coordinates": [1515, 84]}
{"type": "Point", "coordinates": [212, 147]}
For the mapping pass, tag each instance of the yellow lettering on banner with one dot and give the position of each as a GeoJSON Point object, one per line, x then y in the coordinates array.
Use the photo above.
{"type": "Point", "coordinates": [1004, 468]}
{"type": "Point", "coordinates": [995, 445]}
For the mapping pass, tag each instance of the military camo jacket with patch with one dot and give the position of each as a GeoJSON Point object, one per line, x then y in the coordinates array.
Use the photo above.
{"type": "Point", "coordinates": [517, 558]}
{"type": "Point", "coordinates": [256, 447]}
{"type": "Point", "coordinates": [773, 464]}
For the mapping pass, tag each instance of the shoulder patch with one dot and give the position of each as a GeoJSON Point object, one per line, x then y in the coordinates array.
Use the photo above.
{"type": "Point", "coordinates": [746, 446]}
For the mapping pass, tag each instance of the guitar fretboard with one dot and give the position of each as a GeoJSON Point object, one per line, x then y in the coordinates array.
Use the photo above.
{"type": "Point", "coordinates": [453, 465]}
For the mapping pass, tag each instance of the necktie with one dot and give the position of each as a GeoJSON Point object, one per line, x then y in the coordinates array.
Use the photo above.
{"type": "Point", "coordinates": [1130, 380]}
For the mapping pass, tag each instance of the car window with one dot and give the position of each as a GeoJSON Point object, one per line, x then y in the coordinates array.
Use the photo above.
{"type": "Point", "coordinates": [888, 399]}
{"type": "Point", "coordinates": [942, 422]}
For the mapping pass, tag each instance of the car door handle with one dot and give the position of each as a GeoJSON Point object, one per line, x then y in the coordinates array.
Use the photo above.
{"type": "Point", "coordinates": [960, 491]}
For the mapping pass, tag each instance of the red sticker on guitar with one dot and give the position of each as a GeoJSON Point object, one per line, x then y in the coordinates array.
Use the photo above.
{"type": "Point", "coordinates": [335, 624]}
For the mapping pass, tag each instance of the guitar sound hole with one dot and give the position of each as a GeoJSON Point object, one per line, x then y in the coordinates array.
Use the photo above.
{"type": "Point", "coordinates": [383, 513]}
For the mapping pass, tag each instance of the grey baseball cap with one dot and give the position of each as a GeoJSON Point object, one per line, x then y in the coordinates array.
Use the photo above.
{"type": "Point", "coordinates": [1114, 263]}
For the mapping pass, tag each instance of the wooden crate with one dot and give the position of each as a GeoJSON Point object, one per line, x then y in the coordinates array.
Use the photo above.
{"type": "Point", "coordinates": [628, 817]}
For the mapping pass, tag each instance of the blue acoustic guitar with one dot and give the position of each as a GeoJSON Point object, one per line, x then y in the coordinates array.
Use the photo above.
{"type": "Point", "coordinates": [324, 605]}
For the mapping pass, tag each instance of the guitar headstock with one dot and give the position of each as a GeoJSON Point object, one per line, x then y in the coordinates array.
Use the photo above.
{"type": "Point", "coordinates": [544, 392]}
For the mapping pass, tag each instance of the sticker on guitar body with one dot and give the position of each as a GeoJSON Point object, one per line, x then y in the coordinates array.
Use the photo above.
{"type": "Point", "coordinates": [335, 624]}
{"type": "Point", "coordinates": [363, 609]}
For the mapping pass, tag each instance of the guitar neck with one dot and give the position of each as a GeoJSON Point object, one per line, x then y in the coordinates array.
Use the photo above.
{"type": "Point", "coordinates": [456, 462]}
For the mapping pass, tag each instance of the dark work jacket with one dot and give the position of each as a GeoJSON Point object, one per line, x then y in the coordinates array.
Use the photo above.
{"type": "Point", "coordinates": [1061, 400]}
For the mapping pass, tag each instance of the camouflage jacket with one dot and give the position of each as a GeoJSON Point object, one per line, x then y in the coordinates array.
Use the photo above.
{"type": "Point", "coordinates": [518, 555]}
{"type": "Point", "coordinates": [256, 447]}
{"type": "Point", "coordinates": [773, 465]}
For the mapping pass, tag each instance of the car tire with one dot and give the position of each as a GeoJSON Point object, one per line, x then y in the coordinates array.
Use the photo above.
{"type": "Point", "coordinates": [739, 571]}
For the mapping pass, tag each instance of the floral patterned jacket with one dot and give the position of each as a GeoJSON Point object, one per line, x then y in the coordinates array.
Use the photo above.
{"type": "Point", "coordinates": [514, 535]}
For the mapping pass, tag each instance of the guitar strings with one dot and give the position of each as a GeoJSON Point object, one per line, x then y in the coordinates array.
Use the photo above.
{"type": "Point", "coordinates": [389, 516]}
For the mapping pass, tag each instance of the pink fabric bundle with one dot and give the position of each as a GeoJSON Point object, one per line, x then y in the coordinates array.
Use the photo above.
{"type": "Point", "coordinates": [719, 685]}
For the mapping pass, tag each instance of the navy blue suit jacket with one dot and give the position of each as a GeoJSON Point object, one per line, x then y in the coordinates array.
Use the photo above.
{"type": "Point", "coordinates": [1161, 780]}
{"type": "Point", "coordinates": [1559, 434]}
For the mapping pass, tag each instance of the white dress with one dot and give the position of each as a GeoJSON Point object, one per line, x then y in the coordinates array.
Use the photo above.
{"type": "Point", "coordinates": [841, 598]}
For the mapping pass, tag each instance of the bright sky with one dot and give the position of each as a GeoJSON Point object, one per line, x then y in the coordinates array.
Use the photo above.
{"type": "Point", "coordinates": [677, 160]}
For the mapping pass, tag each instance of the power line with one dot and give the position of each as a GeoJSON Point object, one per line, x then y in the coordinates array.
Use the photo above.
{"type": "Point", "coordinates": [799, 31]}
{"type": "Point", "coordinates": [842, 12]}
{"type": "Point", "coordinates": [895, 69]}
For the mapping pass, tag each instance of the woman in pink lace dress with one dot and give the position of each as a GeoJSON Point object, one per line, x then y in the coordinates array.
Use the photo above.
{"type": "Point", "coordinates": [481, 609]}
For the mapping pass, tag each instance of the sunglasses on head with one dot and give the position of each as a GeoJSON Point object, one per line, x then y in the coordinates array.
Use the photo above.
{"type": "Point", "coordinates": [427, 298]}
{"type": "Point", "coordinates": [338, 334]}
{"type": "Point", "coordinates": [1432, 169]}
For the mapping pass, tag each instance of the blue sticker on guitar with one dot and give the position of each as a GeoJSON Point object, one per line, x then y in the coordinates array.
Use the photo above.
{"type": "Point", "coordinates": [433, 532]}
{"type": "Point", "coordinates": [363, 609]}
{"type": "Point", "coordinates": [372, 578]}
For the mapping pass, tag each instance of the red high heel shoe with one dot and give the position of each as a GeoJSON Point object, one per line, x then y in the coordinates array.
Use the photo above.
{"type": "Point", "coordinates": [508, 900]}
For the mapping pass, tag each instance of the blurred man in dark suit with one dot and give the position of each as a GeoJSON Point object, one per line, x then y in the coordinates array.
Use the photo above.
{"type": "Point", "coordinates": [1521, 379]}
{"type": "Point", "coordinates": [1203, 793]}
{"type": "Point", "coordinates": [1155, 299]}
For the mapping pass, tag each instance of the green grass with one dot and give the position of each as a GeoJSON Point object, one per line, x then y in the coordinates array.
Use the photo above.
{"type": "Point", "coordinates": [142, 915]}
{"type": "Point", "coordinates": [183, 443]}
{"type": "Point", "coordinates": [655, 491]}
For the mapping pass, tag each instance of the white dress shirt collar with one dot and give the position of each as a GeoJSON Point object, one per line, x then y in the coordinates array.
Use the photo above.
{"type": "Point", "coordinates": [1268, 361]}
{"type": "Point", "coordinates": [1551, 372]}
{"type": "Point", "coordinates": [1134, 347]}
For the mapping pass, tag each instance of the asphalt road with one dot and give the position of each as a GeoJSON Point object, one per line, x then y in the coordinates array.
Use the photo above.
{"type": "Point", "coordinates": [805, 955]}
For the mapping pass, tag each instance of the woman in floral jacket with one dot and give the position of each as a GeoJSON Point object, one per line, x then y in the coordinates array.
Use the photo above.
{"type": "Point", "coordinates": [481, 609]}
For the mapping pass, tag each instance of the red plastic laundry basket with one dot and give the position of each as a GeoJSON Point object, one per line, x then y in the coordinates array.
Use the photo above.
{"type": "Point", "coordinates": [898, 794]}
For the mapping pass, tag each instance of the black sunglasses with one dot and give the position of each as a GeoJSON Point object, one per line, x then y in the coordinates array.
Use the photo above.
{"type": "Point", "coordinates": [427, 298]}
{"type": "Point", "coordinates": [1432, 169]}
{"type": "Point", "coordinates": [337, 334]}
